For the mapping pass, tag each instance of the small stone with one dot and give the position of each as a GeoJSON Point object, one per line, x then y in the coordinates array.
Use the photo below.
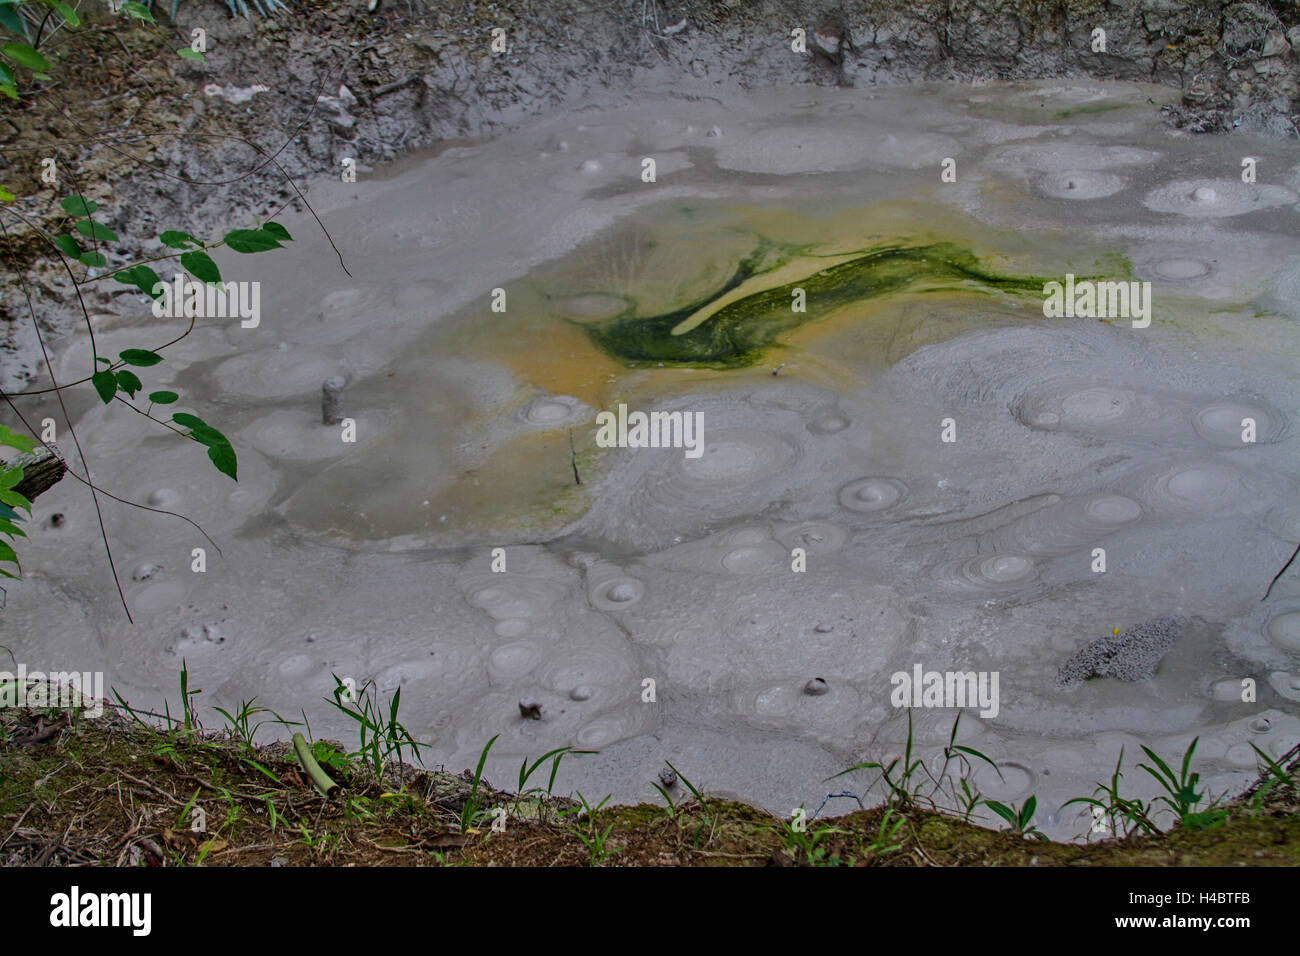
{"type": "Point", "coordinates": [668, 777]}
{"type": "Point", "coordinates": [332, 400]}
{"type": "Point", "coordinates": [530, 708]}
{"type": "Point", "coordinates": [824, 628]}
{"type": "Point", "coordinates": [144, 572]}
{"type": "Point", "coordinates": [816, 687]}
{"type": "Point", "coordinates": [581, 692]}
{"type": "Point", "coordinates": [1275, 44]}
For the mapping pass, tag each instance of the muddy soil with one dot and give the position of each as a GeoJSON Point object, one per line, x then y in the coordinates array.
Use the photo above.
{"type": "Point", "coordinates": [163, 142]}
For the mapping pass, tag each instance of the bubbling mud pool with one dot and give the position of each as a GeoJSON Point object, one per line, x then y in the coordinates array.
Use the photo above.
{"type": "Point", "coordinates": [824, 430]}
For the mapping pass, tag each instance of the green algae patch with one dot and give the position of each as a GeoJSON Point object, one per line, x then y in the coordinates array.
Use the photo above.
{"type": "Point", "coordinates": [732, 328]}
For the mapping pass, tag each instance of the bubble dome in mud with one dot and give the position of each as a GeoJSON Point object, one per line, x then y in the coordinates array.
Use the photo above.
{"type": "Point", "coordinates": [872, 495]}
{"type": "Point", "coordinates": [1079, 184]}
{"type": "Point", "coordinates": [1213, 198]}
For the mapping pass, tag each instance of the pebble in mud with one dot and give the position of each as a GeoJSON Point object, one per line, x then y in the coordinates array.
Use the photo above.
{"type": "Point", "coordinates": [581, 692]}
{"type": "Point", "coordinates": [668, 777]}
{"type": "Point", "coordinates": [816, 687]}
{"type": "Point", "coordinates": [143, 572]}
{"type": "Point", "coordinates": [212, 633]}
{"type": "Point", "coordinates": [530, 708]}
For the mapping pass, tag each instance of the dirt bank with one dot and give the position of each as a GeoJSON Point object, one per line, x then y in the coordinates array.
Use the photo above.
{"type": "Point", "coordinates": [163, 142]}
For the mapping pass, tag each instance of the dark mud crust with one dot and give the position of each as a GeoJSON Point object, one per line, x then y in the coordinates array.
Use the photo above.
{"type": "Point", "coordinates": [130, 125]}
{"type": "Point", "coordinates": [113, 791]}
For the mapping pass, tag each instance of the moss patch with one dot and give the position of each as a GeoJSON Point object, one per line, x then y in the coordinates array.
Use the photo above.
{"type": "Point", "coordinates": [113, 791]}
{"type": "Point", "coordinates": [735, 335]}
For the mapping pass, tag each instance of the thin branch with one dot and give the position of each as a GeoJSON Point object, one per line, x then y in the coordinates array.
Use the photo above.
{"type": "Point", "coordinates": [1290, 561]}
{"type": "Point", "coordinates": [94, 494]}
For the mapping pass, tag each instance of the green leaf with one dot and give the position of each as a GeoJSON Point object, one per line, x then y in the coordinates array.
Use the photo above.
{"type": "Point", "coordinates": [278, 231]}
{"type": "Point", "coordinates": [9, 90]}
{"type": "Point", "coordinates": [163, 398]}
{"type": "Point", "coordinates": [104, 360]}
{"type": "Point", "coordinates": [24, 55]}
{"type": "Point", "coordinates": [142, 277]}
{"type": "Point", "coordinates": [94, 259]}
{"type": "Point", "coordinates": [10, 477]}
{"type": "Point", "coordinates": [21, 442]}
{"type": "Point", "coordinates": [178, 240]}
{"type": "Point", "coordinates": [106, 384]}
{"type": "Point", "coordinates": [223, 456]}
{"type": "Point", "coordinates": [12, 20]}
{"type": "Point", "coordinates": [68, 246]}
{"type": "Point", "coordinates": [141, 357]}
{"type": "Point", "coordinates": [1027, 811]}
{"type": "Point", "coordinates": [76, 206]}
{"type": "Point", "coordinates": [251, 240]}
{"type": "Point", "coordinates": [219, 448]}
{"type": "Point", "coordinates": [6, 75]}
{"type": "Point", "coordinates": [64, 11]}
{"type": "Point", "coordinates": [1002, 810]}
{"type": "Point", "coordinates": [137, 10]}
{"type": "Point", "coordinates": [190, 54]}
{"type": "Point", "coordinates": [201, 266]}
{"type": "Point", "coordinates": [95, 230]}
{"type": "Point", "coordinates": [128, 382]}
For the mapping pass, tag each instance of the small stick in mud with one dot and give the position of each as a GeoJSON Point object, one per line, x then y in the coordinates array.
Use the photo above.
{"type": "Point", "coordinates": [573, 459]}
{"type": "Point", "coordinates": [331, 405]}
{"type": "Point", "coordinates": [1290, 561]}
